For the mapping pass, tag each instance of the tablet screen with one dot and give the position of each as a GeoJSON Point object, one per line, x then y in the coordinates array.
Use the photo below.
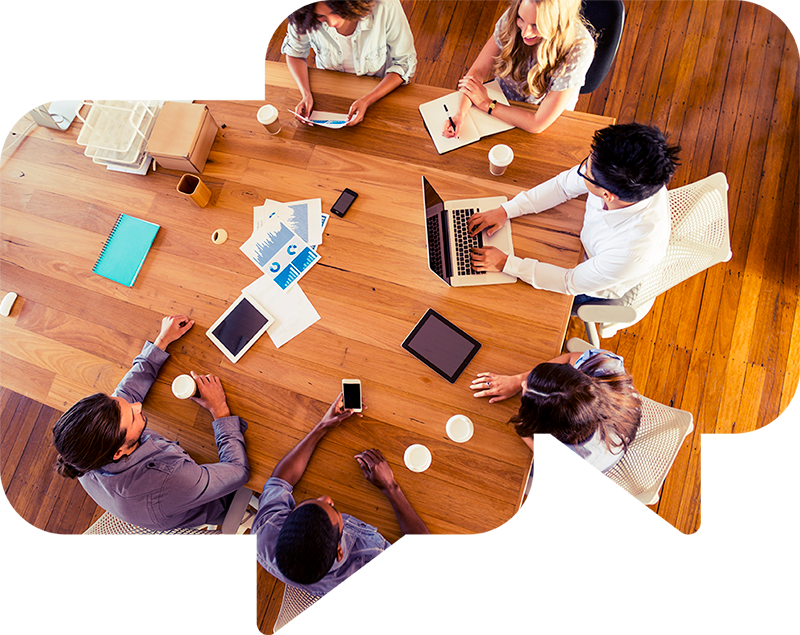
{"type": "Point", "coordinates": [240, 326]}
{"type": "Point", "coordinates": [441, 345]}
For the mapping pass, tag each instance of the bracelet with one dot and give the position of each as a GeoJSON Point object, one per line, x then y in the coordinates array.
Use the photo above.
{"type": "Point", "coordinates": [492, 106]}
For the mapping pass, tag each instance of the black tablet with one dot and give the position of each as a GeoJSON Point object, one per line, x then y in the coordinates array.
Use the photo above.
{"type": "Point", "coordinates": [441, 345]}
{"type": "Point", "coordinates": [239, 327]}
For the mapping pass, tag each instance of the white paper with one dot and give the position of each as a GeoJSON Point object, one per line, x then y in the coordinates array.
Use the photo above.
{"type": "Point", "coordinates": [304, 218]}
{"type": "Point", "coordinates": [476, 124]}
{"type": "Point", "coordinates": [292, 310]}
{"type": "Point", "coordinates": [279, 252]}
{"type": "Point", "coordinates": [324, 119]}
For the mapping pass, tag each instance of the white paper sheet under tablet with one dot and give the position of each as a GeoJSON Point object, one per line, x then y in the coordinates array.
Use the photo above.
{"type": "Point", "coordinates": [292, 310]}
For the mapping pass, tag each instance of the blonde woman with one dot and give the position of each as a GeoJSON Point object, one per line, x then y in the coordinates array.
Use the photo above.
{"type": "Point", "coordinates": [540, 53]}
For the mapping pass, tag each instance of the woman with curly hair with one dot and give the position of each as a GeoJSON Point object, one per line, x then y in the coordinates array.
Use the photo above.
{"type": "Point", "coordinates": [364, 37]}
{"type": "Point", "coordinates": [587, 401]}
{"type": "Point", "coordinates": [540, 52]}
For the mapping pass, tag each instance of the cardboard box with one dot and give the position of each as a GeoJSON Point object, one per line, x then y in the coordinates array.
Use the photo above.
{"type": "Point", "coordinates": [182, 136]}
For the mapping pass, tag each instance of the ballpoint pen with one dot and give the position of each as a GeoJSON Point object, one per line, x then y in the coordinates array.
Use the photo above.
{"type": "Point", "coordinates": [449, 117]}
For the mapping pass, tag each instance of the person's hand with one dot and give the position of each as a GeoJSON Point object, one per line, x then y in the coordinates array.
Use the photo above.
{"type": "Point", "coordinates": [491, 220]}
{"type": "Point", "coordinates": [464, 104]}
{"type": "Point", "coordinates": [488, 259]}
{"type": "Point", "coordinates": [336, 414]}
{"type": "Point", "coordinates": [376, 470]}
{"type": "Point", "coordinates": [357, 111]}
{"type": "Point", "coordinates": [212, 396]}
{"type": "Point", "coordinates": [476, 92]}
{"type": "Point", "coordinates": [305, 107]}
{"type": "Point", "coordinates": [498, 387]}
{"type": "Point", "coordinates": [172, 327]}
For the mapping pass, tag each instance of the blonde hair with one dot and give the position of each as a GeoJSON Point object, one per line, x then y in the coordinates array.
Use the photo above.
{"type": "Point", "coordinates": [558, 22]}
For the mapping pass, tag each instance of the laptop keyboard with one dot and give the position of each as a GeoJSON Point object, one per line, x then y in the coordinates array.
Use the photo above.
{"type": "Point", "coordinates": [465, 242]}
{"type": "Point", "coordinates": [434, 257]}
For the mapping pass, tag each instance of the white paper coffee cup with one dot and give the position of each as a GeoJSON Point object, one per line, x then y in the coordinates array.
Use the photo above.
{"type": "Point", "coordinates": [184, 386]}
{"type": "Point", "coordinates": [459, 428]}
{"type": "Point", "coordinates": [500, 157]}
{"type": "Point", "coordinates": [268, 117]}
{"type": "Point", "coordinates": [417, 458]}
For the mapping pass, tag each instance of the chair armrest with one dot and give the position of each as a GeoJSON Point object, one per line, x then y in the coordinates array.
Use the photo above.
{"type": "Point", "coordinates": [236, 511]}
{"type": "Point", "coordinates": [606, 313]}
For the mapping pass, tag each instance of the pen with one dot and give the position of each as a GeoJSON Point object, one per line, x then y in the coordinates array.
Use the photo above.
{"type": "Point", "coordinates": [449, 117]}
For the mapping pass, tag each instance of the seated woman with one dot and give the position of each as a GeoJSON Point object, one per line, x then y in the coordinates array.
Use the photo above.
{"type": "Point", "coordinates": [587, 401]}
{"type": "Point", "coordinates": [365, 37]}
{"type": "Point", "coordinates": [540, 53]}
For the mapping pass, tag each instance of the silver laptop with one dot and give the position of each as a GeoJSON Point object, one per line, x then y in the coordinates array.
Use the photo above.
{"type": "Point", "coordinates": [449, 242]}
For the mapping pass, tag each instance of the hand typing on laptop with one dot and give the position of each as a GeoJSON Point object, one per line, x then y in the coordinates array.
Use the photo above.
{"type": "Point", "coordinates": [491, 220]}
{"type": "Point", "coordinates": [488, 259]}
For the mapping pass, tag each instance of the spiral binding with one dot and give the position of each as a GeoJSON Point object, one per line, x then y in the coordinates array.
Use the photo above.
{"type": "Point", "coordinates": [105, 245]}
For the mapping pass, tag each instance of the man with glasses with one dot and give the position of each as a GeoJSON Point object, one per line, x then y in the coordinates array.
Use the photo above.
{"type": "Point", "coordinates": [626, 226]}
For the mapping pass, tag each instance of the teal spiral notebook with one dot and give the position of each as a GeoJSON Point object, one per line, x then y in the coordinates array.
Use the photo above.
{"type": "Point", "coordinates": [125, 250]}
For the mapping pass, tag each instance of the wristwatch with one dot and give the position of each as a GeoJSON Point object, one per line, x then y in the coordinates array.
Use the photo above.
{"type": "Point", "coordinates": [492, 106]}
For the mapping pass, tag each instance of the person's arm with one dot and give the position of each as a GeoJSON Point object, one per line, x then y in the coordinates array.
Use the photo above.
{"type": "Point", "coordinates": [534, 121]}
{"type": "Point", "coordinates": [498, 387]}
{"type": "Point", "coordinates": [479, 70]}
{"type": "Point", "coordinates": [298, 68]}
{"type": "Point", "coordinates": [191, 485]}
{"type": "Point", "coordinates": [359, 107]}
{"type": "Point", "coordinates": [378, 472]}
{"type": "Point", "coordinates": [136, 383]}
{"type": "Point", "coordinates": [292, 466]}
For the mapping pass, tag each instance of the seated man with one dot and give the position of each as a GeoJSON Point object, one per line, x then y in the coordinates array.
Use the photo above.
{"type": "Point", "coordinates": [312, 545]}
{"type": "Point", "coordinates": [626, 226]}
{"type": "Point", "coordinates": [138, 475]}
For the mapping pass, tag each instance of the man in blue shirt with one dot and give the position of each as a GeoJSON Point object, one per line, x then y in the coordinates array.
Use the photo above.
{"type": "Point", "coordinates": [312, 545]}
{"type": "Point", "coordinates": [135, 473]}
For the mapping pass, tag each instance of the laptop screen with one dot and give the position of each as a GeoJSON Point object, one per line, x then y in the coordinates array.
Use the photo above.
{"type": "Point", "coordinates": [438, 239]}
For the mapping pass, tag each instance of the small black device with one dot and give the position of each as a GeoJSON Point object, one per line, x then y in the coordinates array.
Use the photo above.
{"type": "Point", "coordinates": [344, 202]}
{"type": "Point", "coordinates": [351, 390]}
{"type": "Point", "coordinates": [441, 345]}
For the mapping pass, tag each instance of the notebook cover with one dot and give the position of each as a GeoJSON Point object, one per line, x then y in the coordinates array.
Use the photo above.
{"type": "Point", "coordinates": [125, 250]}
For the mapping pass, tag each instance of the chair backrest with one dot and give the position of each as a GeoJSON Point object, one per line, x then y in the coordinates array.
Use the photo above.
{"type": "Point", "coordinates": [295, 601]}
{"type": "Point", "coordinates": [109, 524]}
{"type": "Point", "coordinates": [643, 468]}
{"type": "Point", "coordinates": [607, 17]}
{"type": "Point", "coordinates": [699, 237]}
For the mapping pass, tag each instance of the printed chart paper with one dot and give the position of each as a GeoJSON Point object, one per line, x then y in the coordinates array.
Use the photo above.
{"type": "Point", "coordinates": [279, 252]}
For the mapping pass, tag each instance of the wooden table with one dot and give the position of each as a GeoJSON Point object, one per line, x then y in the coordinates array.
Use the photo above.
{"type": "Point", "coordinates": [73, 333]}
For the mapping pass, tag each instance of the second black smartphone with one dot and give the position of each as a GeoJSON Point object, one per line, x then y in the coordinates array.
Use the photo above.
{"type": "Point", "coordinates": [344, 202]}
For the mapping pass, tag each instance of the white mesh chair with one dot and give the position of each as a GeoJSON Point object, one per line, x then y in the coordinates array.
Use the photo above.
{"type": "Point", "coordinates": [699, 238]}
{"type": "Point", "coordinates": [610, 497]}
{"type": "Point", "coordinates": [294, 602]}
{"type": "Point", "coordinates": [135, 580]}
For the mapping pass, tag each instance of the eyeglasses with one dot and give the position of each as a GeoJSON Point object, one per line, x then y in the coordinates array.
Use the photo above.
{"type": "Point", "coordinates": [582, 174]}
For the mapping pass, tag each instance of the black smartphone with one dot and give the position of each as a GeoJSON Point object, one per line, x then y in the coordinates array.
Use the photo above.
{"type": "Point", "coordinates": [351, 390]}
{"type": "Point", "coordinates": [344, 202]}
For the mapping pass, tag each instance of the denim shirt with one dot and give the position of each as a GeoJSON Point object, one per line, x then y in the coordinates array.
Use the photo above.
{"type": "Point", "coordinates": [360, 542]}
{"type": "Point", "coordinates": [382, 43]}
{"type": "Point", "coordinates": [159, 486]}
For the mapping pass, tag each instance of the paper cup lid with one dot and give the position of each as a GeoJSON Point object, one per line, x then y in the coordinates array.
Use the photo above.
{"type": "Point", "coordinates": [459, 428]}
{"type": "Point", "coordinates": [501, 155]}
{"type": "Point", "coordinates": [417, 458]}
{"type": "Point", "coordinates": [267, 114]}
{"type": "Point", "coordinates": [183, 386]}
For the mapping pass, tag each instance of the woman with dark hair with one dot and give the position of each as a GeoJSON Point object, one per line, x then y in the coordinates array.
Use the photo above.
{"type": "Point", "coordinates": [587, 401]}
{"type": "Point", "coordinates": [364, 37]}
{"type": "Point", "coordinates": [540, 52]}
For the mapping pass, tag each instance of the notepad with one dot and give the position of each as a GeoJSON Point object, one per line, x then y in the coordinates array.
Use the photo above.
{"type": "Point", "coordinates": [125, 250]}
{"type": "Point", "coordinates": [477, 124]}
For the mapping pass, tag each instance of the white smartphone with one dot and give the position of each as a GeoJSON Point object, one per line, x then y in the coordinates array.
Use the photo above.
{"type": "Point", "coordinates": [351, 389]}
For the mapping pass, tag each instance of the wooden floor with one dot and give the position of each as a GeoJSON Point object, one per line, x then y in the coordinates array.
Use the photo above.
{"type": "Point", "coordinates": [719, 77]}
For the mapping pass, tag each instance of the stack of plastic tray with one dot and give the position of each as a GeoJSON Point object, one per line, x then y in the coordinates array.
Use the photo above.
{"type": "Point", "coordinates": [115, 134]}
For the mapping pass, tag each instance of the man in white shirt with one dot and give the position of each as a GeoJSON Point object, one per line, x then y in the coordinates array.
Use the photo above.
{"type": "Point", "coordinates": [626, 226]}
